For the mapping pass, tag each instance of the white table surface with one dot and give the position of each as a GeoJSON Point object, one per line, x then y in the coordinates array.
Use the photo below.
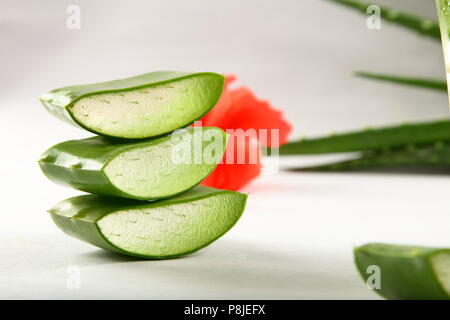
{"type": "Point", "coordinates": [294, 240]}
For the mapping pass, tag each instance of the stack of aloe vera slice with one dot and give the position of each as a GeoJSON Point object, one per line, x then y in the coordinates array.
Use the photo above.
{"type": "Point", "coordinates": [142, 172]}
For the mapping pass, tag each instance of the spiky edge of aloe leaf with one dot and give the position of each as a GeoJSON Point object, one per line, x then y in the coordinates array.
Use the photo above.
{"type": "Point", "coordinates": [434, 155]}
{"type": "Point", "coordinates": [372, 139]}
{"type": "Point", "coordinates": [409, 81]}
{"type": "Point", "coordinates": [423, 26]}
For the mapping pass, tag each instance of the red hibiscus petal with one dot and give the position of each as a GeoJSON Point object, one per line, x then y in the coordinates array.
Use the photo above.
{"type": "Point", "coordinates": [229, 79]}
{"type": "Point", "coordinates": [240, 165]}
{"type": "Point", "coordinates": [241, 109]}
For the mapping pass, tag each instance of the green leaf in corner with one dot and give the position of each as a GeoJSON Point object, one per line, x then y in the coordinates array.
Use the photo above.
{"type": "Point", "coordinates": [423, 26]}
{"type": "Point", "coordinates": [405, 272]}
{"type": "Point", "coordinates": [409, 81]}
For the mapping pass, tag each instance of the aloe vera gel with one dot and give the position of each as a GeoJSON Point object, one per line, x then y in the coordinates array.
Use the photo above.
{"type": "Point", "coordinates": [144, 167]}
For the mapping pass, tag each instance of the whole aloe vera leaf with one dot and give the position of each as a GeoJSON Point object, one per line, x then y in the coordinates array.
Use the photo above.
{"type": "Point", "coordinates": [423, 26]}
{"type": "Point", "coordinates": [372, 139]}
{"type": "Point", "coordinates": [431, 155]}
{"type": "Point", "coordinates": [409, 81]}
{"type": "Point", "coordinates": [443, 9]}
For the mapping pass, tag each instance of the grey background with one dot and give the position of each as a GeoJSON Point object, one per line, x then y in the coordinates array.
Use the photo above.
{"type": "Point", "coordinates": [298, 54]}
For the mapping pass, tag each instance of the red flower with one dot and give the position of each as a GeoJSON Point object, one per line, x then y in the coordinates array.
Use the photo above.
{"type": "Point", "coordinates": [240, 109]}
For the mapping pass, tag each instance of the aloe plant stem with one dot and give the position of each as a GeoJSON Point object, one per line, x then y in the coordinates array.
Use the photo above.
{"type": "Point", "coordinates": [423, 26]}
{"type": "Point", "coordinates": [372, 139]}
{"type": "Point", "coordinates": [409, 81]}
{"type": "Point", "coordinates": [430, 155]}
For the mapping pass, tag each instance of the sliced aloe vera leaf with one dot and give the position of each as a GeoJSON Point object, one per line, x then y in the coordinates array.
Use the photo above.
{"type": "Point", "coordinates": [139, 107]}
{"type": "Point", "coordinates": [406, 272]}
{"type": "Point", "coordinates": [145, 169]}
{"type": "Point", "coordinates": [153, 230]}
{"type": "Point", "coordinates": [443, 8]}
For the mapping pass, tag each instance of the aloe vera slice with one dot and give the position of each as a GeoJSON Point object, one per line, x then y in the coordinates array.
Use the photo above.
{"type": "Point", "coordinates": [407, 272]}
{"type": "Point", "coordinates": [139, 107]}
{"type": "Point", "coordinates": [443, 8]}
{"type": "Point", "coordinates": [147, 170]}
{"type": "Point", "coordinates": [152, 230]}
